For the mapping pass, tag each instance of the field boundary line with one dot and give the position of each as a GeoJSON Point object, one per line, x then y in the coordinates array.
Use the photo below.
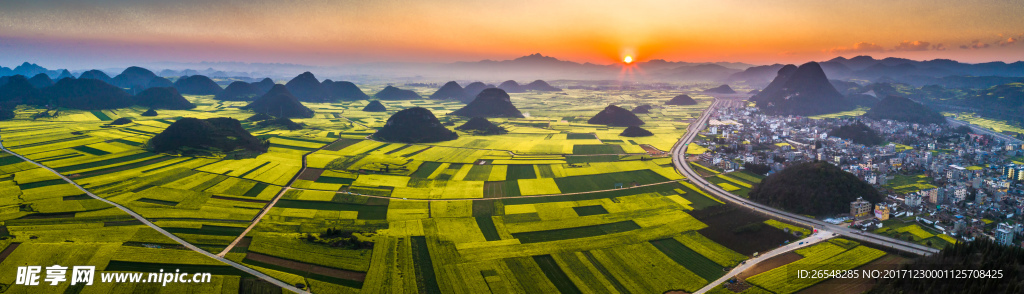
{"type": "Point", "coordinates": [270, 205]}
{"type": "Point", "coordinates": [498, 198]}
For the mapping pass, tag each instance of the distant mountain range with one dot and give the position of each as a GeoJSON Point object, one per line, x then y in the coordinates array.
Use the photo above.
{"type": "Point", "coordinates": [948, 73]}
{"type": "Point", "coordinates": [945, 72]}
{"type": "Point", "coordinates": [540, 66]}
{"type": "Point", "coordinates": [30, 70]}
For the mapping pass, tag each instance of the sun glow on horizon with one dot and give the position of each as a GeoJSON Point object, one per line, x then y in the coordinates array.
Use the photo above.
{"type": "Point", "coordinates": [628, 59]}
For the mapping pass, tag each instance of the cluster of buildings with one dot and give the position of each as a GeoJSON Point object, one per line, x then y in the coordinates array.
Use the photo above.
{"type": "Point", "coordinates": [952, 180]}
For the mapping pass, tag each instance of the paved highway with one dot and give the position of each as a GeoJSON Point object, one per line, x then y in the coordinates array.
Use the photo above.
{"type": "Point", "coordinates": [998, 135]}
{"type": "Point", "coordinates": [679, 160]}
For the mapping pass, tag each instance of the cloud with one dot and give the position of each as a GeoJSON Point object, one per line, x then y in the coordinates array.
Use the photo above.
{"type": "Point", "coordinates": [861, 47]}
{"type": "Point", "coordinates": [976, 44]}
{"type": "Point", "coordinates": [939, 47]}
{"type": "Point", "coordinates": [1008, 41]}
{"type": "Point", "coordinates": [912, 46]}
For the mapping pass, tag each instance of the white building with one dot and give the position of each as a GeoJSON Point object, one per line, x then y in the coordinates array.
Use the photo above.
{"type": "Point", "coordinates": [1004, 234]}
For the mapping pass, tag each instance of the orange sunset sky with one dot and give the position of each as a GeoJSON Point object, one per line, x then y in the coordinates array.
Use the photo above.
{"type": "Point", "coordinates": [97, 33]}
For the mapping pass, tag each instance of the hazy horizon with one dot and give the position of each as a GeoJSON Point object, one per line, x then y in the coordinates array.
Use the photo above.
{"type": "Point", "coordinates": [114, 33]}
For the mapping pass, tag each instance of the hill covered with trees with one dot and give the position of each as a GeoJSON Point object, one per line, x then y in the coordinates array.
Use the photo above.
{"type": "Point", "coordinates": [414, 125]}
{"type": "Point", "coordinates": [813, 188]}
{"type": "Point", "coordinates": [493, 102]}
{"type": "Point", "coordinates": [193, 136]}
{"type": "Point", "coordinates": [981, 255]}
{"type": "Point", "coordinates": [279, 102]}
{"type": "Point", "coordinates": [481, 126]}
{"type": "Point", "coordinates": [163, 98]}
{"type": "Point", "coordinates": [803, 90]}
{"type": "Point", "coordinates": [905, 110]}
{"type": "Point", "coordinates": [681, 99]}
{"type": "Point", "coordinates": [858, 133]}
{"type": "Point", "coordinates": [615, 116]}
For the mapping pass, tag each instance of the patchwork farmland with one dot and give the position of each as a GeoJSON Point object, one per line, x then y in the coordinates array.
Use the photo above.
{"type": "Point", "coordinates": [555, 205]}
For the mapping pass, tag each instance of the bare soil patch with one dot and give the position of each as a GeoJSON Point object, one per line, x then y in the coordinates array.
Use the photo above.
{"type": "Point", "coordinates": [305, 267]}
{"type": "Point", "coordinates": [724, 222]}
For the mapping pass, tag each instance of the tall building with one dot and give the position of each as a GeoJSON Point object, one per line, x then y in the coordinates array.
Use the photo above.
{"type": "Point", "coordinates": [931, 194]}
{"type": "Point", "coordinates": [913, 200]}
{"type": "Point", "coordinates": [1004, 234]}
{"type": "Point", "coordinates": [860, 208]}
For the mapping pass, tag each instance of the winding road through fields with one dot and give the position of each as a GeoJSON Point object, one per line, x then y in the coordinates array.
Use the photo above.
{"type": "Point", "coordinates": [825, 230]}
{"type": "Point", "coordinates": [982, 130]}
{"type": "Point", "coordinates": [679, 160]}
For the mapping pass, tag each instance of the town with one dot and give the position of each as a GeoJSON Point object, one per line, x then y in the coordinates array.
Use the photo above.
{"type": "Point", "coordinates": [940, 180]}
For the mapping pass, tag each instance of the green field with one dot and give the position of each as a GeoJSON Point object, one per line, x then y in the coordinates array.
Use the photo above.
{"type": "Point", "coordinates": [905, 184]}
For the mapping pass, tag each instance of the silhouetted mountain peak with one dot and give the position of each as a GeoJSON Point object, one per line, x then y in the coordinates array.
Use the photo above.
{"type": "Point", "coordinates": [306, 87]}
{"type": "Point", "coordinates": [238, 91]}
{"type": "Point", "coordinates": [481, 126]}
{"type": "Point", "coordinates": [635, 131]}
{"type": "Point", "coordinates": [96, 75]}
{"type": "Point", "coordinates": [540, 85]}
{"type": "Point", "coordinates": [87, 94]}
{"type": "Point", "coordinates": [134, 78]}
{"type": "Point", "coordinates": [903, 109]}
{"type": "Point", "coordinates": [375, 106]}
{"type": "Point", "coordinates": [394, 93]}
{"type": "Point", "coordinates": [414, 125]}
{"type": "Point", "coordinates": [221, 133]}
{"type": "Point", "coordinates": [511, 86]}
{"type": "Point", "coordinates": [41, 81]}
{"type": "Point", "coordinates": [163, 98]}
{"type": "Point", "coordinates": [197, 85]}
{"type": "Point", "coordinates": [806, 91]}
{"type": "Point", "coordinates": [615, 116]}
{"type": "Point", "coordinates": [64, 74]}
{"type": "Point", "coordinates": [493, 102]}
{"type": "Point", "coordinates": [279, 102]}
{"type": "Point", "coordinates": [681, 99]}
{"type": "Point", "coordinates": [343, 90]}
{"type": "Point", "coordinates": [263, 86]}
{"type": "Point", "coordinates": [536, 57]}
{"type": "Point", "coordinates": [450, 90]}
{"type": "Point", "coordinates": [474, 89]}
{"type": "Point", "coordinates": [18, 90]}
{"type": "Point", "coordinates": [138, 71]}
{"type": "Point", "coordinates": [723, 89]}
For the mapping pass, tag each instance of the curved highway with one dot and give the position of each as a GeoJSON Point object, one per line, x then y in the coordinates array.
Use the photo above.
{"type": "Point", "coordinates": [997, 135]}
{"type": "Point", "coordinates": [679, 160]}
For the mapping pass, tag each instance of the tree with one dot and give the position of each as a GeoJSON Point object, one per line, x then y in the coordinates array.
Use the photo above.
{"type": "Point", "coordinates": [756, 168]}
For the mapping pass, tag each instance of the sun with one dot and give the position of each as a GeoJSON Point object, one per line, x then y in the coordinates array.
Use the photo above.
{"type": "Point", "coordinates": [628, 59]}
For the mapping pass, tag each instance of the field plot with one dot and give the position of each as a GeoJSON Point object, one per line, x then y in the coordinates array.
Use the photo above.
{"type": "Point", "coordinates": [904, 184]}
{"type": "Point", "coordinates": [910, 230]}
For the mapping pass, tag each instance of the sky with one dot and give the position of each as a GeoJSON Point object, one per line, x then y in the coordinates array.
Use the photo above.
{"type": "Point", "coordinates": [97, 33]}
